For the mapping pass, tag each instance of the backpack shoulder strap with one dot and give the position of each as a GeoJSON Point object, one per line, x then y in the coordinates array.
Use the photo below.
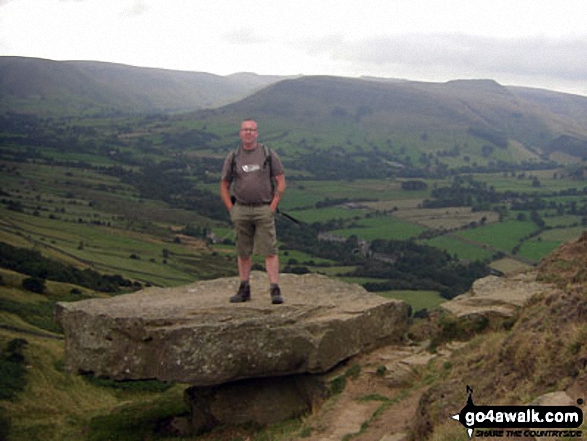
{"type": "Point", "coordinates": [233, 160]}
{"type": "Point", "coordinates": [268, 160]}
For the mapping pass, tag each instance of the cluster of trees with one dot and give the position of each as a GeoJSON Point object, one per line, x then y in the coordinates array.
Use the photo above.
{"type": "Point", "coordinates": [19, 123]}
{"type": "Point", "coordinates": [35, 136]}
{"type": "Point", "coordinates": [414, 185]}
{"type": "Point", "coordinates": [418, 267]}
{"type": "Point", "coordinates": [571, 145]}
{"type": "Point", "coordinates": [464, 192]}
{"type": "Point", "coordinates": [407, 264]}
{"type": "Point", "coordinates": [163, 181]}
{"type": "Point", "coordinates": [468, 192]}
{"type": "Point", "coordinates": [33, 264]}
{"type": "Point", "coordinates": [189, 139]}
{"type": "Point", "coordinates": [497, 138]}
{"type": "Point", "coordinates": [338, 164]}
{"type": "Point", "coordinates": [304, 237]}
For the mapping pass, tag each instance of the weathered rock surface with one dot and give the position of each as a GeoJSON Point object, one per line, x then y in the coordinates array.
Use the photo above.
{"type": "Point", "coordinates": [497, 296]}
{"type": "Point", "coordinates": [259, 400]}
{"type": "Point", "coordinates": [192, 334]}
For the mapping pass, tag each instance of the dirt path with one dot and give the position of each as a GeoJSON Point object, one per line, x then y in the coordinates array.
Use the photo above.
{"type": "Point", "coordinates": [379, 403]}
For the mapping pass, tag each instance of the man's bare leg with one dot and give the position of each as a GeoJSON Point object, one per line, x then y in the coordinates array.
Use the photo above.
{"type": "Point", "coordinates": [244, 290]}
{"type": "Point", "coordinates": [244, 268]}
{"type": "Point", "coordinates": [272, 267]}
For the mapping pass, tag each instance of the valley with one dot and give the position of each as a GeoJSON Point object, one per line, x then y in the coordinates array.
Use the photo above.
{"type": "Point", "coordinates": [413, 190]}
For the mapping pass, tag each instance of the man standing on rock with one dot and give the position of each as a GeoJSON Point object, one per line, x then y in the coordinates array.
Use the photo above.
{"type": "Point", "coordinates": [259, 185]}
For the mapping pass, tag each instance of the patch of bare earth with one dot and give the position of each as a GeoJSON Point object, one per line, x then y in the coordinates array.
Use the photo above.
{"type": "Point", "coordinates": [379, 403]}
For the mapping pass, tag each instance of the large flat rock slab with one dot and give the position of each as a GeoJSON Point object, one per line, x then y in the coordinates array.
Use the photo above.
{"type": "Point", "coordinates": [192, 334]}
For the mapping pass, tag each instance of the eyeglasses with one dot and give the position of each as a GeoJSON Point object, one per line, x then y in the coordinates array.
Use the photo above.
{"type": "Point", "coordinates": [248, 130]}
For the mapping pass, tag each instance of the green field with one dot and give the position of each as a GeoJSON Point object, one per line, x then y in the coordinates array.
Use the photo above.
{"type": "Point", "coordinates": [382, 227]}
{"type": "Point", "coordinates": [462, 249]}
{"type": "Point", "coordinates": [548, 241]}
{"type": "Point", "coordinates": [418, 300]}
{"type": "Point", "coordinates": [302, 194]}
{"type": "Point", "coordinates": [325, 214]}
{"type": "Point", "coordinates": [522, 181]}
{"type": "Point", "coordinates": [502, 236]}
{"type": "Point", "coordinates": [562, 221]}
{"type": "Point", "coordinates": [89, 218]}
{"type": "Point", "coordinates": [137, 256]}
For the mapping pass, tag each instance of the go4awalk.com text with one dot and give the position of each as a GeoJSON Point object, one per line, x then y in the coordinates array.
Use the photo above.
{"type": "Point", "coordinates": [493, 433]}
{"type": "Point", "coordinates": [520, 421]}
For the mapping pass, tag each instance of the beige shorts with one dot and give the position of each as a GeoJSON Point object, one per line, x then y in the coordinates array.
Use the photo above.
{"type": "Point", "coordinates": [255, 230]}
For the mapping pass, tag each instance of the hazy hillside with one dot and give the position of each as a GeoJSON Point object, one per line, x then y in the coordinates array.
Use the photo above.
{"type": "Point", "coordinates": [573, 107]}
{"type": "Point", "coordinates": [421, 117]}
{"type": "Point", "coordinates": [481, 108]}
{"type": "Point", "coordinates": [46, 86]}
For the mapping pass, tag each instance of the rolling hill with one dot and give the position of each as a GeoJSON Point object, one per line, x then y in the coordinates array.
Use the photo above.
{"type": "Point", "coordinates": [480, 108]}
{"type": "Point", "coordinates": [417, 116]}
{"type": "Point", "coordinates": [74, 87]}
{"type": "Point", "coordinates": [475, 124]}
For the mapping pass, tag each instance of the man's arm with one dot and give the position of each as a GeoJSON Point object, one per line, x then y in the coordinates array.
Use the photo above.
{"type": "Point", "coordinates": [225, 194]}
{"type": "Point", "coordinates": [278, 192]}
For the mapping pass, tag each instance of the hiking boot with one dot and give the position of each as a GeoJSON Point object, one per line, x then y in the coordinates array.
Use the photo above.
{"type": "Point", "coordinates": [276, 298]}
{"type": "Point", "coordinates": [243, 294]}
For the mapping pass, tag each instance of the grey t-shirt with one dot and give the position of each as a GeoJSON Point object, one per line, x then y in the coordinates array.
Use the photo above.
{"type": "Point", "coordinates": [252, 177]}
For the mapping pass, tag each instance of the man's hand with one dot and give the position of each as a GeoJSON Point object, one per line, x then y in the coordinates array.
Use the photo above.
{"type": "Point", "coordinates": [278, 193]}
{"type": "Point", "coordinates": [225, 194]}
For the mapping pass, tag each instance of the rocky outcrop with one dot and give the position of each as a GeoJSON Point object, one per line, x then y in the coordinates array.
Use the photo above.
{"type": "Point", "coordinates": [494, 296]}
{"type": "Point", "coordinates": [540, 350]}
{"type": "Point", "coordinates": [192, 334]}
{"type": "Point", "coordinates": [252, 362]}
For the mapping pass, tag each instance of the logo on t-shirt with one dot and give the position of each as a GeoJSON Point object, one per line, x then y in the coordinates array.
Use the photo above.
{"type": "Point", "coordinates": [251, 168]}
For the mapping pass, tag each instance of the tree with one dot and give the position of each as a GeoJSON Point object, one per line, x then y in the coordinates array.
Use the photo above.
{"type": "Point", "coordinates": [414, 185]}
{"type": "Point", "coordinates": [34, 284]}
{"type": "Point", "coordinates": [521, 217]}
{"type": "Point", "coordinates": [486, 150]}
{"type": "Point", "coordinates": [537, 219]}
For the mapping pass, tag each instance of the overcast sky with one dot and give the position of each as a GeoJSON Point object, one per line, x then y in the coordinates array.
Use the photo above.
{"type": "Point", "coordinates": [532, 43]}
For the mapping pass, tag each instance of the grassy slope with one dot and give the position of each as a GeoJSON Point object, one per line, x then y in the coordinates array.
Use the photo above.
{"type": "Point", "coordinates": [57, 405]}
{"type": "Point", "coordinates": [543, 352]}
{"type": "Point", "coordinates": [89, 219]}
